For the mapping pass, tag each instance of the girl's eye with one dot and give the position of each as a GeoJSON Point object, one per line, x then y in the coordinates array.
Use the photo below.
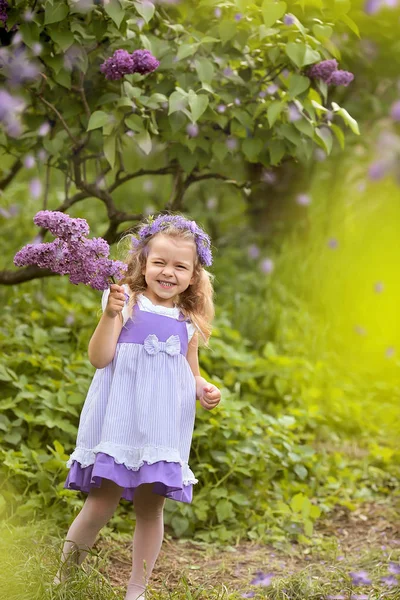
{"type": "Point", "coordinates": [158, 262]}
{"type": "Point", "coordinates": [181, 267]}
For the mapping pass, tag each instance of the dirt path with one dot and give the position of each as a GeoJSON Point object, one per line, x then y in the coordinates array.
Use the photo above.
{"type": "Point", "coordinates": [345, 536]}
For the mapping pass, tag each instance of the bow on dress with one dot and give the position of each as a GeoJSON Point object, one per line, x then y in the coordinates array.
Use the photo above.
{"type": "Point", "coordinates": [172, 346]}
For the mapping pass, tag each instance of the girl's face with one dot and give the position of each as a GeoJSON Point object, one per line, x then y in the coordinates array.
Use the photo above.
{"type": "Point", "coordinates": [169, 268]}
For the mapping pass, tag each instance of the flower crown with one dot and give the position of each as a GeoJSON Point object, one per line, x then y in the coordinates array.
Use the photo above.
{"type": "Point", "coordinates": [162, 222]}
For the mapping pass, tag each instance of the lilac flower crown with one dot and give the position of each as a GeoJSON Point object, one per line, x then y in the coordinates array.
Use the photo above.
{"type": "Point", "coordinates": [163, 222]}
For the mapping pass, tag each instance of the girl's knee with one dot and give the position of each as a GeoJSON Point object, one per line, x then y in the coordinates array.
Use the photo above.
{"type": "Point", "coordinates": [148, 505]}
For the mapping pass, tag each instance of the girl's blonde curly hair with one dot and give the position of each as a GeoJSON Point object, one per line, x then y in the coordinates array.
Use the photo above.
{"type": "Point", "coordinates": [196, 302]}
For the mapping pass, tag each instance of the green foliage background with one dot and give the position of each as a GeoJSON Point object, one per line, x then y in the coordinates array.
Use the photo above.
{"type": "Point", "coordinates": [310, 413]}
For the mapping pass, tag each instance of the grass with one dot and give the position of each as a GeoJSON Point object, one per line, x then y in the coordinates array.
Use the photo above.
{"type": "Point", "coordinates": [361, 541]}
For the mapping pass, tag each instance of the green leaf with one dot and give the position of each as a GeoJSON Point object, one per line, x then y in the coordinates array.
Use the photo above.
{"type": "Point", "coordinates": [64, 39]}
{"type": "Point", "coordinates": [298, 84]}
{"type": "Point", "coordinates": [351, 24]}
{"type": "Point", "coordinates": [55, 13]}
{"type": "Point", "coordinates": [145, 9]}
{"type": "Point", "coordinates": [198, 104]}
{"type": "Point", "coordinates": [109, 148]}
{"type": "Point", "coordinates": [115, 12]}
{"type": "Point", "coordinates": [301, 472]}
{"type": "Point", "coordinates": [143, 140]}
{"type": "Point", "coordinates": [325, 137]}
{"type": "Point", "coordinates": [252, 148]}
{"type": "Point", "coordinates": [322, 32]}
{"type": "Point", "coordinates": [224, 510]}
{"type": "Point", "coordinates": [186, 50]}
{"type": "Point", "coordinates": [135, 123]}
{"type": "Point", "coordinates": [272, 11]}
{"type": "Point", "coordinates": [277, 150]}
{"type": "Point", "coordinates": [30, 33]}
{"type": "Point", "coordinates": [274, 110]}
{"type": "Point", "coordinates": [220, 150]}
{"type": "Point", "coordinates": [180, 524]}
{"type": "Point", "coordinates": [347, 118]}
{"type": "Point", "coordinates": [97, 119]}
{"type": "Point", "coordinates": [205, 69]}
{"type": "Point", "coordinates": [308, 527]}
{"type": "Point", "coordinates": [339, 135]}
{"type": "Point", "coordinates": [227, 30]}
{"type": "Point", "coordinates": [305, 127]}
{"type": "Point", "coordinates": [301, 54]}
{"type": "Point", "coordinates": [296, 502]}
{"type": "Point", "coordinates": [177, 102]}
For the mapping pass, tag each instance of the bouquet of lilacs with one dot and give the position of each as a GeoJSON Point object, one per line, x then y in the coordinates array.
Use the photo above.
{"type": "Point", "coordinates": [71, 253]}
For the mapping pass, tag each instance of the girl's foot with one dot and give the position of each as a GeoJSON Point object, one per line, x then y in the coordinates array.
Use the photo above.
{"type": "Point", "coordinates": [135, 591]}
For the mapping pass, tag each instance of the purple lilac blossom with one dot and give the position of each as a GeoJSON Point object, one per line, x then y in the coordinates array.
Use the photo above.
{"type": "Point", "coordinates": [377, 170]}
{"type": "Point", "coordinates": [3, 11]}
{"type": "Point", "coordinates": [44, 129]}
{"type": "Point", "coordinates": [262, 94]}
{"type": "Point", "coordinates": [231, 143]}
{"type": "Point", "coordinates": [85, 261]}
{"type": "Point", "coordinates": [378, 287]}
{"type": "Point", "coordinates": [267, 266]}
{"type": "Point", "coordinates": [390, 581]}
{"type": "Point", "coordinates": [192, 130]}
{"type": "Point", "coordinates": [395, 111]}
{"type": "Point", "coordinates": [390, 352]}
{"type": "Point", "coordinates": [218, 12]}
{"type": "Point", "coordinates": [303, 199]}
{"type": "Point", "coordinates": [340, 78]}
{"type": "Point", "coordinates": [62, 225]}
{"type": "Point", "coordinates": [118, 65]}
{"type": "Point", "coordinates": [211, 203]}
{"type": "Point", "coordinates": [248, 595]}
{"type": "Point", "coordinates": [360, 578]}
{"type": "Point", "coordinates": [29, 161]}
{"type": "Point", "coordinates": [272, 89]}
{"type": "Point", "coordinates": [162, 222]}
{"type": "Point", "coordinates": [238, 17]}
{"type": "Point", "coordinates": [253, 251]}
{"type": "Point", "coordinates": [221, 108]}
{"type": "Point", "coordinates": [394, 568]}
{"type": "Point", "coordinates": [17, 66]}
{"type": "Point", "coordinates": [333, 243]}
{"type": "Point", "coordinates": [35, 187]}
{"type": "Point", "coordinates": [289, 19]}
{"type": "Point", "coordinates": [263, 579]}
{"type": "Point", "coordinates": [293, 113]}
{"type": "Point", "coordinates": [323, 70]}
{"type": "Point", "coordinates": [227, 72]}
{"type": "Point", "coordinates": [237, 101]}
{"type": "Point", "coordinates": [372, 6]}
{"type": "Point", "coordinates": [144, 62]}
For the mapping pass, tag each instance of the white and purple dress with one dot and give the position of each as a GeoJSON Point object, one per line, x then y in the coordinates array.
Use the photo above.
{"type": "Point", "coordinates": [137, 421]}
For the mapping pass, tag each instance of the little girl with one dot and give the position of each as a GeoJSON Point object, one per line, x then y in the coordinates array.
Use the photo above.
{"type": "Point", "coordinates": [137, 421]}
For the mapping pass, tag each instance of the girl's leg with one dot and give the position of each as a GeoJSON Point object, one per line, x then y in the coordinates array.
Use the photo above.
{"type": "Point", "coordinates": [98, 509]}
{"type": "Point", "coordinates": [147, 540]}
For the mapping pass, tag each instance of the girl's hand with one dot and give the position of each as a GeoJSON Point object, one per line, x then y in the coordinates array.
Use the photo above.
{"type": "Point", "coordinates": [210, 397]}
{"type": "Point", "coordinates": [116, 301]}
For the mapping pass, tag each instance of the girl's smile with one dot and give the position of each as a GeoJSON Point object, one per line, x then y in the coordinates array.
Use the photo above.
{"type": "Point", "coordinates": [169, 268]}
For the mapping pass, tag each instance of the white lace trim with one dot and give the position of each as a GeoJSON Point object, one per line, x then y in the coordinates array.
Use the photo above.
{"type": "Point", "coordinates": [168, 311]}
{"type": "Point", "coordinates": [132, 458]}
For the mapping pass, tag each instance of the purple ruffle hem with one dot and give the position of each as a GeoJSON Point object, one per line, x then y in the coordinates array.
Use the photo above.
{"type": "Point", "coordinates": [166, 478]}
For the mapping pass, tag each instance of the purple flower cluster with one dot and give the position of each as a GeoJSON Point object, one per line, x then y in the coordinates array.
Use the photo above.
{"type": "Point", "coordinates": [61, 225]}
{"type": "Point", "coordinates": [122, 63]}
{"type": "Point", "coordinates": [327, 70]}
{"type": "Point", "coordinates": [3, 11]}
{"type": "Point", "coordinates": [164, 222]}
{"type": "Point", "coordinates": [10, 110]}
{"type": "Point", "coordinates": [84, 260]}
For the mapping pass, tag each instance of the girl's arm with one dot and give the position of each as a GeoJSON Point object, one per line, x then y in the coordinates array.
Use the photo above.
{"type": "Point", "coordinates": [208, 394]}
{"type": "Point", "coordinates": [103, 342]}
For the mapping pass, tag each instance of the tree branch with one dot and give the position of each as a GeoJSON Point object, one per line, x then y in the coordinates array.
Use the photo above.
{"type": "Point", "coordinates": [26, 274]}
{"type": "Point", "coordinates": [13, 171]}
{"type": "Point", "coordinates": [59, 115]}
{"type": "Point", "coordinates": [163, 171]}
